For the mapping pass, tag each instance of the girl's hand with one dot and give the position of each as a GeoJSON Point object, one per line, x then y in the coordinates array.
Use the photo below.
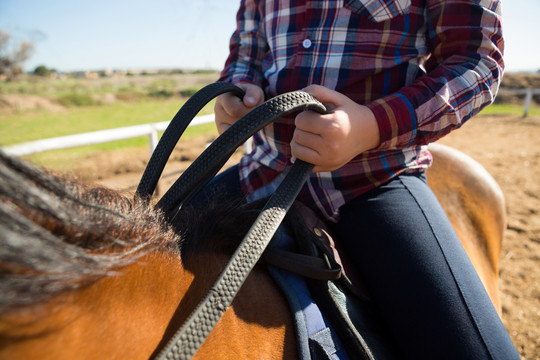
{"type": "Point", "coordinates": [329, 141]}
{"type": "Point", "coordinates": [230, 108]}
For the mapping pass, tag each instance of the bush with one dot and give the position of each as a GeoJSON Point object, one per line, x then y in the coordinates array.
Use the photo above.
{"type": "Point", "coordinates": [73, 100]}
{"type": "Point", "coordinates": [188, 92]}
{"type": "Point", "coordinates": [42, 70]}
{"type": "Point", "coordinates": [160, 93]}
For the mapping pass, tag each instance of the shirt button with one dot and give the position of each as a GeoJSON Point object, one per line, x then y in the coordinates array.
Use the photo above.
{"type": "Point", "coordinates": [306, 43]}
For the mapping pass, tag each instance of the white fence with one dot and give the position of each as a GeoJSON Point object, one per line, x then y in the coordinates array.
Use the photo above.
{"type": "Point", "coordinates": [528, 97]}
{"type": "Point", "coordinates": [97, 137]}
{"type": "Point", "coordinates": [151, 130]}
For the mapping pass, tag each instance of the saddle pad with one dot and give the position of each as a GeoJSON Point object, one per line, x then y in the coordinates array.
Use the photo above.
{"type": "Point", "coordinates": [316, 338]}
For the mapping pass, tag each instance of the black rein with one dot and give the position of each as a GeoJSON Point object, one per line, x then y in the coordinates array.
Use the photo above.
{"type": "Point", "coordinates": [188, 339]}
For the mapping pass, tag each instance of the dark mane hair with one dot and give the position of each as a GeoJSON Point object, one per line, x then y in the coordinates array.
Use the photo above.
{"type": "Point", "coordinates": [58, 235]}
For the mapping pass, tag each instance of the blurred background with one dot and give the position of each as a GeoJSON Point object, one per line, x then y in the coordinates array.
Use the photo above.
{"type": "Point", "coordinates": [108, 35]}
{"type": "Point", "coordinates": [71, 67]}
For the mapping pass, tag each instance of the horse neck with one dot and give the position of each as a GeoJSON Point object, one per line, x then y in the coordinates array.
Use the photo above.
{"type": "Point", "coordinates": [134, 313]}
{"type": "Point", "coordinates": [258, 325]}
{"type": "Point", "coordinates": [126, 313]}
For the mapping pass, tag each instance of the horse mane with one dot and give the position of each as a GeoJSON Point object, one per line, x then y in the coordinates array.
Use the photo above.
{"type": "Point", "coordinates": [217, 228]}
{"type": "Point", "coordinates": [58, 235]}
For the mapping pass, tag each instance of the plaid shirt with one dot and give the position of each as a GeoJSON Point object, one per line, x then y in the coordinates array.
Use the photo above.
{"type": "Point", "coordinates": [423, 67]}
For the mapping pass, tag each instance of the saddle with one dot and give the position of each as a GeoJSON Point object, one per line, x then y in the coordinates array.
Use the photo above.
{"type": "Point", "coordinates": [333, 313]}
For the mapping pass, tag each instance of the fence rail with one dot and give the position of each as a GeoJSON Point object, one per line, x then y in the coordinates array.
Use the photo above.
{"type": "Point", "coordinates": [97, 137]}
{"type": "Point", "coordinates": [151, 130]}
{"type": "Point", "coordinates": [528, 96]}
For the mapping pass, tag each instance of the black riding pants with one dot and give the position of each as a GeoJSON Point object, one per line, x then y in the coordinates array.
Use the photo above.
{"type": "Point", "coordinates": [419, 274]}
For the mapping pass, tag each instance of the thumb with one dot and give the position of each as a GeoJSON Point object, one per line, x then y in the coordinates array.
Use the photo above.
{"type": "Point", "coordinates": [330, 98]}
{"type": "Point", "coordinates": [254, 95]}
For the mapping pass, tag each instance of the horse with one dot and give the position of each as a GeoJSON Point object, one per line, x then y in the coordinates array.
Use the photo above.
{"type": "Point", "coordinates": [87, 272]}
{"type": "Point", "coordinates": [476, 207]}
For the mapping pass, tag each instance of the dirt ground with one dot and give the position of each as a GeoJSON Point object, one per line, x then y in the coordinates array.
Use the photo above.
{"type": "Point", "coordinates": [509, 148]}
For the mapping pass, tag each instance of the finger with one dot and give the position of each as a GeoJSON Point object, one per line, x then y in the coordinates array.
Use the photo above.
{"type": "Point", "coordinates": [313, 157]}
{"type": "Point", "coordinates": [312, 122]}
{"type": "Point", "coordinates": [229, 108]}
{"type": "Point", "coordinates": [224, 107]}
{"type": "Point", "coordinates": [310, 156]}
{"type": "Point", "coordinates": [308, 139]}
{"type": "Point", "coordinates": [330, 98]}
{"type": "Point", "coordinates": [254, 96]}
{"type": "Point", "coordinates": [299, 151]}
{"type": "Point", "coordinates": [236, 107]}
{"type": "Point", "coordinates": [222, 122]}
{"type": "Point", "coordinates": [232, 105]}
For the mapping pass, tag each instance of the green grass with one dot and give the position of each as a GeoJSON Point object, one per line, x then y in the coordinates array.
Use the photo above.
{"type": "Point", "coordinates": [510, 109]}
{"type": "Point", "coordinates": [41, 124]}
{"type": "Point", "coordinates": [33, 125]}
{"type": "Point", "coordinates": [140, 100]}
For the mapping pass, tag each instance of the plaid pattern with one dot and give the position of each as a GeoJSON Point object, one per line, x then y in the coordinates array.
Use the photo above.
{"type": "Point", "coordinates": [423, 68]}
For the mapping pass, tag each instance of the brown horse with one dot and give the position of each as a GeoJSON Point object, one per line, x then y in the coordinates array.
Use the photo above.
{"type": "Point", "coordinates": [89, 273]}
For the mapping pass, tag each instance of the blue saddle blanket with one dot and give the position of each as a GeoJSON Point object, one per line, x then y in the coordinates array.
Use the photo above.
{"type": "Point", "coordinates": [316, 338]}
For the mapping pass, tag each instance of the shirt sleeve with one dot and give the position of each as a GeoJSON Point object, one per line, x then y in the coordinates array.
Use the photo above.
{"type": "Point", "coordinates": [462, 76]}
{"type": "Point", "coordinates": [247, 46]}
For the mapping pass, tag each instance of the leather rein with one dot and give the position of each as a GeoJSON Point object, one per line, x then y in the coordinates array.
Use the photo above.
{"type": "Point", "coordinates": [188, 339]}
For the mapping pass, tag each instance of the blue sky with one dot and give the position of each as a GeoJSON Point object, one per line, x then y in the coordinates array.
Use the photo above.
{"type": "Point", "coordinates": [100, 34]}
